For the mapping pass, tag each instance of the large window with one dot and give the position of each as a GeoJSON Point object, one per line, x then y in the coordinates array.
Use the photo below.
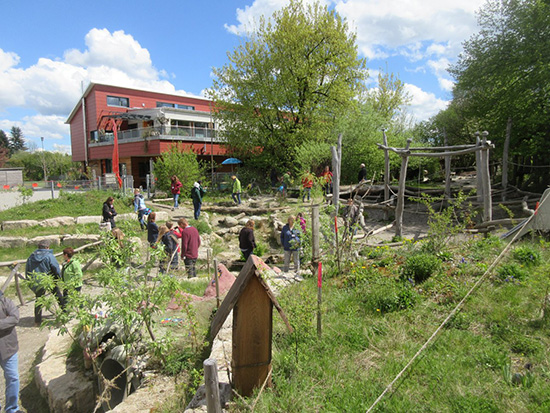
{"type": "Point", "coordinates": [174, 105]}
{"type": "Point", "coordinates": [118, 101]}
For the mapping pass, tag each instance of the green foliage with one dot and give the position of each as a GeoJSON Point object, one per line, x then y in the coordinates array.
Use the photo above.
{"type": "Point", "coordinates": [26, 193]}
{"type": "Point", "coordinates": [179, 161]}
{"type": "Point", "coordinates": [419, 267]}
{"type": "Point", "coordinates": [202, 226]}
{"type": "Point", "coordinates": [526, 255]}
{"type": "Point", "coordinates": [386, 295]}
{"type": "Point", "coordinates": [512, 272]}
{"type": "Point", "coordinates": [58, 165]}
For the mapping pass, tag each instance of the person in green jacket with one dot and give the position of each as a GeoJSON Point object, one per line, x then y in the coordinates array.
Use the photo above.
{"type": "Point", "coordinates": [236, 190]}
{"type": "Point", "coordinates": [71, 274]}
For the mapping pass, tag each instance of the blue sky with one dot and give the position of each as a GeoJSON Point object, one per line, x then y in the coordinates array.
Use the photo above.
{"type": "Point", "coordinates": [49, 49]}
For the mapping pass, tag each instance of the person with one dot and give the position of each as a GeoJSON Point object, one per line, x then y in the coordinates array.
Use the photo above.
{"type": "Point", "coordinates": [353, 215]}
{"type": "Point", "coordinates": [175, 231]}
{"type": "Point", "coordinates": [71, 274]}
{"type": "Point", "coordinates": [175, 188]}
{"type": "Point", "coordinates": [236, 194]}
{"type": "Point", "coordinates": [302, 221]}
{"type": "Point", "coordinates": [170, 242]}
{"type": "Point", "coordinates": [362, 175]}
{"type": "Point", "coordinates": [40, 264]}
{"type": "Point", "coordinates": [247, 242]}
{"type": "Point", "coordinates": [286, 181]}
{"type": "Point", "coordinates": [291, 245]}
{"type": "Point", "coordinates": [140, 208]}
{"type": "Point", "coordinates": [9, 346]}
{"type": "Point", "coordinates": [109, 212]}
{"type": "Point", "coordinates": [197, 192]}
{"type": "Point", "coordinates": [152, 229]}
{"type": "Point", "coordinates": [190, 243]}
{"type": "Point", "coordinates": [307, 184]}
{"type": "Point", "coordinates": [327, 178]}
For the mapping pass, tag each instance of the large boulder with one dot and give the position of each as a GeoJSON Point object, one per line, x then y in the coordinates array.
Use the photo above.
{"type": "Point", "coordinates": [80, 239]}
{"type": "Point", "coordinates": [13, 242]}
{"type": "Point", "coordinates": [25, 223]}
{"type": "Point", "coordinates": [57, 222]}
{"type": "Point", "coordinates": [230, 222]}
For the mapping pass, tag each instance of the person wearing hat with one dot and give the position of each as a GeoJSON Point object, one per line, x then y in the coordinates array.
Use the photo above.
{"type": "Point", "coordinates": [9, 346]}
{"type": "Point", "coordinates": [40, 264]}
{"type": "Point", "coordinates": [362, 173]}
{"type": "Point", "coordinates": [236, 190]}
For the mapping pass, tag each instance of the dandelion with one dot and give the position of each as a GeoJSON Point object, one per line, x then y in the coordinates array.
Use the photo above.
{"type": "Point", "coordinates": [378, 309]}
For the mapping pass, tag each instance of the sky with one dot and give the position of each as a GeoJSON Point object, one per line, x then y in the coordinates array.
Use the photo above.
{"type": "Point", "coordinates": [51, 50]}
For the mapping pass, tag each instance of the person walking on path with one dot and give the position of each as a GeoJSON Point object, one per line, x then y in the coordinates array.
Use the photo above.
{"type": "Point", "coordinates": [327, 178]}
{"type": "Point", "coordinates": [140, 208]}
{"type": "Point", "coordinates": [175, 188]}
{"type": "Point", "coordinates": [9, 346]}
{"type": "Point", "coordinates": [71, 274]}
{"type": "Point", "coordinates": [190, 243]}
{"type": "Point", "coordinates": [247, 242]}
{"type": "Point", "coordinates": [152, 229]}
{"type": "Point", "coordinates": [236, 194]}
{"type": "Point", "coordinates": [41, 264]}
{"type": "Point", "coordinates": [109, 212]}
{"type": "Point", "coordinates": [197, 192]}
{"type": "Point", "coordinates": [307, 184]}
{"type": "Point", "coordinates": [362, 175]}
{"type": "Point", "coordinates": [291, 244]}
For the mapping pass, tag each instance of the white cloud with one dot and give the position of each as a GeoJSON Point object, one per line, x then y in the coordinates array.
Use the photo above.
{"type": "Point", "coordinates": [423, 104]}
{"type": "Point", "coordinates": [62, 148]}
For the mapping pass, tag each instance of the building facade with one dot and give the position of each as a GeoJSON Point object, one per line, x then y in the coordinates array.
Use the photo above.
{"type": "Point", "coordinates": [147, 123]}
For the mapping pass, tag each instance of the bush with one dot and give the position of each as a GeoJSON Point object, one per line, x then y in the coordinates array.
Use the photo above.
{"type": "Point", "coordinates": [512, 272]}
{"type": "Point", "coordinates": [526, 255]}
{"type": "Point", "coordinates": [387, 295]}
{"type": "Point", "coordinates": [420, 267]}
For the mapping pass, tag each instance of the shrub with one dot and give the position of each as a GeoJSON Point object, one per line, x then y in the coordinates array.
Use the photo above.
{"type": "Point", "coordinates": [512, 272]}
{"type": "Point", "coordinates": [386, 295]}
{"type": "Point", "coordinates": [526, 255]}
{"type": "Point", "coordinates": [420, 267]}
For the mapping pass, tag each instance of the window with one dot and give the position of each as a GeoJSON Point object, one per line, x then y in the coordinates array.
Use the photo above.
{"type": "Point", "coordinates": [94, 136]}
{"type": "Point", "coordinates": [174, 105]}
{"type": "Point", "coordinates": [118, 101]}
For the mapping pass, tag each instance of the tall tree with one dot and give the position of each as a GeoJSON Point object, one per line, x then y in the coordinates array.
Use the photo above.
{"type": "Point", "coordinates": [4, 140]}
{"type": "Point", "coordinates": [288, 83]}
{"type": "Point", "coordinates": [16, 140]}
{"type": "Point", "coordinates": [504, 72]}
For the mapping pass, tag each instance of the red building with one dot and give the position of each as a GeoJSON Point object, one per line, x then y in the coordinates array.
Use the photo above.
{"type": "Point", "coordinates": [147, 123]}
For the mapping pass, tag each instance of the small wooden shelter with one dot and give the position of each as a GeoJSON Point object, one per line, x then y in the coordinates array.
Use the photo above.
{"type": "Point", "coordinates": [252, 303]}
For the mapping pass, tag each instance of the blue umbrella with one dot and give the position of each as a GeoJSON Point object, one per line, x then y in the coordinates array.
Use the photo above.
{"type": "Point", "coordinates": [231, 161]}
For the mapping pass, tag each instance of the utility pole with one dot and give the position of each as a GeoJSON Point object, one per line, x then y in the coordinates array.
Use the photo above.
{"type": "Point", "coordinates": [43, 159]}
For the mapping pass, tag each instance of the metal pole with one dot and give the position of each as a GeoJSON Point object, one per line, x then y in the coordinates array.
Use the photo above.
{"type": "Point", "coordinates": [53, 192]}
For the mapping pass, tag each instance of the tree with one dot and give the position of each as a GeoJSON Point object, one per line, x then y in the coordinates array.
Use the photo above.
{"type": "Point", "coordinates": [504, 73]}
{"type": "Point", "coordinates": [16, 140]}
{"type": "Point", "coordinates": [180, 162]}
{"type": "Point", "coordinates": [389, 97]}
{"type": "Point", "coordinates": [288, 83]}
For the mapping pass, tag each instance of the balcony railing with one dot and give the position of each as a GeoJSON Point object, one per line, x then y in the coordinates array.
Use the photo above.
{"type": "Point", "coordinates": [158, 131]}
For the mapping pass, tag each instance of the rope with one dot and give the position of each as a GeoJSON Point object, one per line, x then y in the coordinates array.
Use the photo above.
{"type": "Point", "coordinates": [451, 314]}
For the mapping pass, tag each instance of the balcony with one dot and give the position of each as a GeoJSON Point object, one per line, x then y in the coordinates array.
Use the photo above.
{"type": "Point", "coordinates": [176, 133]}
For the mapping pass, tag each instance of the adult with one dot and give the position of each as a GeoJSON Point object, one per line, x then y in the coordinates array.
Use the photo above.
{"type": "Point", "coordinates": [40, 265]}
{"type": "Point", "coordinates": [291, 244]}
{"type": "Point", "coordinates": [152, 229]}
{"type": "Point", "coordinates": [190, 243]}
{"type": "Point", "coordinates": [170, 242]}
{"type": "Point", "coordinates": [197, 192]}
{"type": "Point", "coordinates": [353, 217]}
{"type": "Point", "coordinates": [140, 208]}
{"type": "Point", "coordinates": [109, 212]}
{"type": "Point", "coordinates": [307, 184]}
{"type": "Point", "coordinates": [175, 187]}
{"type": "Point", "coordinates": [9, 346]}
{"type": "Point", "coordinates": [362, 175]}
{"type": "Point", "coordinates": [247, 242]}
{"type": "Point", "coordinates": [236, 193]}
{"type": "Point", "coordinates": [71, 274]}
{"type": "Point", "coordinates": [327, 180]}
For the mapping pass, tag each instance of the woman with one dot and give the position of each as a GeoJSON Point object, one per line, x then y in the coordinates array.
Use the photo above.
{"type": "Point", "coordinates": [152, 229]}
{"type": "Point", "coordinates": [109, 212]}
{"type": "Point", "coordinates": [291, 245]}
{"type": "Point", "coordinates": [170, 242]}
{"type": "Point", "coordinates": [175, 187]}
{"type": "Point", "coordinates": [71, 274]}
{"type": "Point", "coordinates": [247, 243]}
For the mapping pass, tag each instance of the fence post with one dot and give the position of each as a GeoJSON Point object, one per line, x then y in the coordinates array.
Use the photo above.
{"type": "Point", "coordinates": [315, 235]}
{"type": "Point", "coordinates": [216, 281]}
{"type": "Point", "coordinates": [211, 385]}
{"type": "Point", "coordinates": [51, 188]}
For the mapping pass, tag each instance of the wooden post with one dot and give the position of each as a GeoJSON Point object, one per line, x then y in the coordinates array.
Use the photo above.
{"type": "Point", "coordinates": [505, 150]}
{"type": "Point", "coordinates": [447, 171]}
{"type": "Point", "coordinates": [336, 162]}
{"type": "Point", "coordinates": [208, 259]}
{"type": "Point", "coordinates": [479, 172]}
{"type": "Point", "coordinates": [487, 198]}
{"type": "Point", "coordinates": [386, 175]}
{"type": "Point", "coordinates": [401, 194]}
{"type": "Point", "coordinates": [8, 280]}
{"type": "Point", "coordinates": [337, 244]}
{"type": "Point", "coordinates": [18, 288]}
{"type": "Point", "coordinates": [211, 385]}
{"type": "Point", "coordinates": [216, 281]}
{"type": "Point", "coordinates": [315, 249]}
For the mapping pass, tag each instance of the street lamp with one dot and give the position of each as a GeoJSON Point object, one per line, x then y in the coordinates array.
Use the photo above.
{"type": "Point", "coordinates": [43, 159]}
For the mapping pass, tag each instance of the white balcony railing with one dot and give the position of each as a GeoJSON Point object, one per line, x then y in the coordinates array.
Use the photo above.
{"type": "Point", "coordinates": [173, 132]}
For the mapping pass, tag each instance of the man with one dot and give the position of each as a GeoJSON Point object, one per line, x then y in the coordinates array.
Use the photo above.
{"type": "Point", "coordinates": [236, 194]}
{"type": "Point", "coordinates": [197, 192]}
{"type": "Point", "coordinates": [190, 243]}
{"type": "Point", "coordinates": [41, 264]}
{"type": "Point", "coordinates": [9, 318]}
{"type": "Point", "coordinates": [291, 245]}
{"type": "Point", "coordinates": [362, 175]}
{"type": "Point", "coordinates": [353, 216]}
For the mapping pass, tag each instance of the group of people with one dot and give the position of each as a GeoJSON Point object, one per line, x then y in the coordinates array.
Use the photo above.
{"type": "Point", "coordinates": [197, 192]}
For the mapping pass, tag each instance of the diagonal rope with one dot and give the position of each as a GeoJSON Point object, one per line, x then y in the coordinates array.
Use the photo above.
{"type": "Point", "coordinates": [455, 310]}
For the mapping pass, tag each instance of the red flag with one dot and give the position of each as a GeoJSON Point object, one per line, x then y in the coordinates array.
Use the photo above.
{"type": "Point", "coordinates": [336, 224]}
{"type": "Point", "coordinates": [115, 155]}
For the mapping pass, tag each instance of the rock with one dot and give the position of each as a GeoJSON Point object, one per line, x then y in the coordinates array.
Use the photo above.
{"type": "Point", "coordinates": [54, 240]}
{"type": "Point", "coordinates": [239, 216]}
{"type": "Point", "coordinates": [57, 222]}
{"type": "Point", "coordinates": [222, 231]}
{"type": "Point", "coordinates": [80, 239]}
{"type": "Point", "coordinates": [88, 219]}
{"type": "Point", "coordinates": [24, 223]}
{"type": "Point", "coordinates": [230, 222]}
{"type": "Point", "coordinates": [13, 242]}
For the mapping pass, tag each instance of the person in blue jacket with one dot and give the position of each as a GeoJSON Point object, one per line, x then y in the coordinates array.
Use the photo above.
{"type": "Point", "coordinates": [9, 346]}
{"type": "Point", "coordinates": [290, 240]}
{"type": "Point", "coordinates": [41, 264]}
{"type": "Point", "coordinates": [140, 208]}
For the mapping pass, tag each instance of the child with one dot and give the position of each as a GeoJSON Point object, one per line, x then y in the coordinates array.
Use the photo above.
{"type": "Point", "coordinates": [140, 208]}
{"type": "Point", "coordinates": [152, 229]}
{"type": "Point", "coordinates": [170, 243]}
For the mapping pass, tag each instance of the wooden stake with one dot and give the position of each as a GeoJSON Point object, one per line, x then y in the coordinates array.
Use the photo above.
{"type": "Point", "coordinates": [216, 281]}
{"type": "Point", "coordinates": [401, 193]}
{"type": "Point", "coordinates": [386, 174]}
{"type": "Point", "coordinates": [213, 404]}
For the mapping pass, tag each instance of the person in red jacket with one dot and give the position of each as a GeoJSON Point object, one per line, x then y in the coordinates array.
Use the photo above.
{"type": "Point", "coordinates": [175, 187]}
{"type": "Point", "coordinates": [190, 243]}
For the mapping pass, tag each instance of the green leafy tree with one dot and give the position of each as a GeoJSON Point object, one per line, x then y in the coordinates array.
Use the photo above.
{"type": "Point", "coordinates": [60, 165]}
{"type": "Point", "coordinates": [180, 162]}
{"type": "Point", "coordinates": [4, 140]}
{"type": "Point", "coordinates": [288, 83]}
{"type": "Point", "coordinates": [16, 140]}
